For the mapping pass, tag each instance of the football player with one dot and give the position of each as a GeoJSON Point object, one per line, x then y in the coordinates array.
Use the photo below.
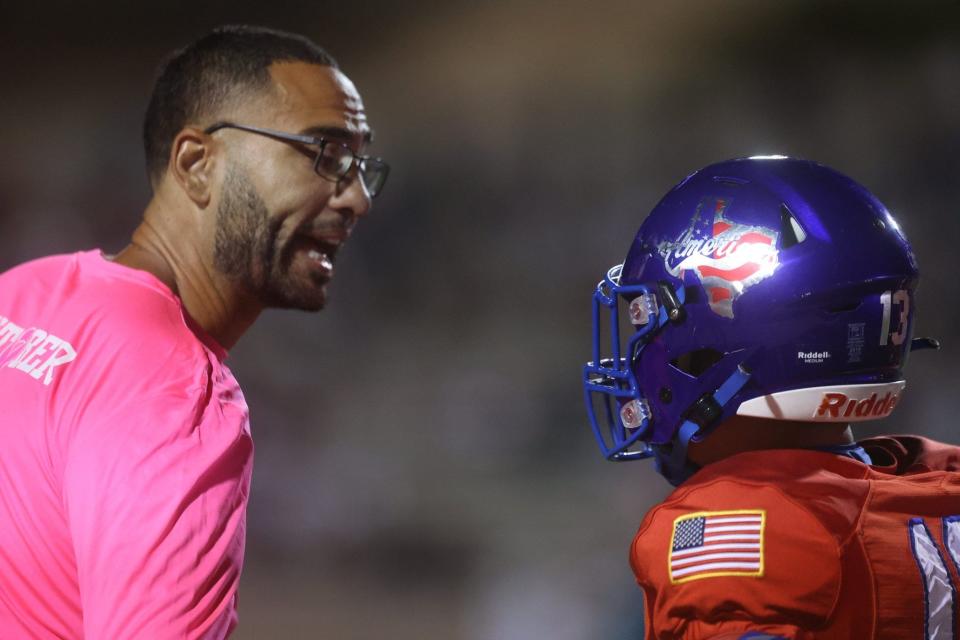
{"type": "Point", "coordinates": [764, 306]}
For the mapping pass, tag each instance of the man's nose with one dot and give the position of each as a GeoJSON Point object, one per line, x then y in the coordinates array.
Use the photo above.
{"type": "Point", "coordinates": [351, 199]}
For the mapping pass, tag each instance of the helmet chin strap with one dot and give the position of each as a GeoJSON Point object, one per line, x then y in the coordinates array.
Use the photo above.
{"type": "Point", "coordinates": [671, 459]}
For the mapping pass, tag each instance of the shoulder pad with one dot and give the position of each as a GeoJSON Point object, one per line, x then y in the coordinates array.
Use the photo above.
{"type": "Point", "coordinates": [727, 547]}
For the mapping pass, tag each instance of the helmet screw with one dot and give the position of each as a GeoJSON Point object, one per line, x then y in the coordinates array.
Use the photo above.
{"type": "Point", "coordinates": [666, 396]}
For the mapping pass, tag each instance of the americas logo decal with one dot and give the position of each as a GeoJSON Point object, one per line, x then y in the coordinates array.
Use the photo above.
{"type": "Point", "coordinates": [727, 257]}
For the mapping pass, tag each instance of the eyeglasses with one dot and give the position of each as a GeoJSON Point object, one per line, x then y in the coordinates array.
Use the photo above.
{"type": "Point", "coordinates": [334, 159]}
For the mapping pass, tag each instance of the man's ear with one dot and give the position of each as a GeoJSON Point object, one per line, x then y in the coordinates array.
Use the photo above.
{"type": "Point", "coordinates": [192, 164]}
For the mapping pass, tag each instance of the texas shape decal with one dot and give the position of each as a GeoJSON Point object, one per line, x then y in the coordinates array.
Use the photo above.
{"type": "Point", "coordinates": [726, 256]}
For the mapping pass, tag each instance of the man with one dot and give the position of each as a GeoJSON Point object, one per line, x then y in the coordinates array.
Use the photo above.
{"type": "Point", "coordinates": [772, 302]}
{"type": "Point", "coordinates": [125, 452]}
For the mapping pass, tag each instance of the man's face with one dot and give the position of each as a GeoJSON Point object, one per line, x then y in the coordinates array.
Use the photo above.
{"type": "Point", "coordinates": [279, 225]}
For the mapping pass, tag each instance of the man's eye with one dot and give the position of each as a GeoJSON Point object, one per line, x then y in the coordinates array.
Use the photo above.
{"type": "Point", "coordinates": [334, 159]}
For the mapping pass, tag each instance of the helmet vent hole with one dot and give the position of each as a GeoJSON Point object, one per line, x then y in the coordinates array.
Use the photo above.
{"type": "Point", "coordinates": [696, 363]}
{"type": "Point", "coordinates": [791, 233]}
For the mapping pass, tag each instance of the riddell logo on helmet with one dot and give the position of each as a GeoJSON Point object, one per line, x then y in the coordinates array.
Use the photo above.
{"type": "Point", "coordinates": [813, 357]}
{"type": "Point", "coordinates": [840, 405]}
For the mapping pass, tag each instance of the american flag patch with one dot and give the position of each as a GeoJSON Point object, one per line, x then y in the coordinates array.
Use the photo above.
{"type": "Point", "coordinates": [717, 543]}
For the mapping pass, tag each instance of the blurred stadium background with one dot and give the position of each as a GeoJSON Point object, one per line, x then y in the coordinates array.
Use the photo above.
{"type": "Point", "coordinates": [423, 466]}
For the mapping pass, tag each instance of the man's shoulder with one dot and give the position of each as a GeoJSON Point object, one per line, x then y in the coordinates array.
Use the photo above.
{"type": "Point", "coordinates": [81, 279]}
{"type": "Point", "coordinates": [44, 266]}
{"type": "Point", "coordinates": [114, 318]}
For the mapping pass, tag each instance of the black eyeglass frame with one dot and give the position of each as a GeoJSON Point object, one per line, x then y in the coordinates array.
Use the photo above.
{"type": "Point", "coordinates": [360, 161]}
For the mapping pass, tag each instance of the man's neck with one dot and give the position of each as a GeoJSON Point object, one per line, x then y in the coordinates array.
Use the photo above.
{"type": "Point", "coordinates": [168, 250]}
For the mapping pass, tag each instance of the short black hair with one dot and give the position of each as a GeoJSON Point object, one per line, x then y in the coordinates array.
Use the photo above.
{"type": "Point", "coordinates": [197, 81]}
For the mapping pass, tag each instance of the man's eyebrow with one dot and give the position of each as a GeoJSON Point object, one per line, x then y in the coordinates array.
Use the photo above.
{"type": "Point", "coordinates": [336, 133]}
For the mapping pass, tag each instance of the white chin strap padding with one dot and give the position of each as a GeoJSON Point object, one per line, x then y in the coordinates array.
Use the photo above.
{"type": "Point", "coordinates": [837, 403]}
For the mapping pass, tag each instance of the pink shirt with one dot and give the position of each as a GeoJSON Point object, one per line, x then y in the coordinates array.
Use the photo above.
{"type": "Point", "coordinates": [125, 459]}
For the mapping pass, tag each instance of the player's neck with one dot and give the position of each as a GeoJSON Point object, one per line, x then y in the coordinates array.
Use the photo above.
{"type": "Point", "coordinates": [163, 246]}
{"type": "Point", "coordinates": [740, 434]}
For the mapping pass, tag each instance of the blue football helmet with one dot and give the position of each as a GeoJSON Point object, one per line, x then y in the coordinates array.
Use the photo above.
{"type": "Point", "coordinates": [769, 287]}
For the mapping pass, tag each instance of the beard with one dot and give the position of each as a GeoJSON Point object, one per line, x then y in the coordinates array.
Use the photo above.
{"type": "Point", "coordinates": [248, 250]}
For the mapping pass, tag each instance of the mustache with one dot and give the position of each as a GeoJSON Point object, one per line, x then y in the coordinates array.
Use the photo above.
{"type": "Point", "coordinates": [336, 225]}
{"type": "Point", "coordinates": [330, 231]}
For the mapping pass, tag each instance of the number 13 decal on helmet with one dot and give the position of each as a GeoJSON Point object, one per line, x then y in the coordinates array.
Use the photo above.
{"type": "Point", "coordinates": [902, 299]}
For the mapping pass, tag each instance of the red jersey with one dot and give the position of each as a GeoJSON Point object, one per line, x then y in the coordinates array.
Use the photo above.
{"type": "Point", "coordinates": [807, 544]}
